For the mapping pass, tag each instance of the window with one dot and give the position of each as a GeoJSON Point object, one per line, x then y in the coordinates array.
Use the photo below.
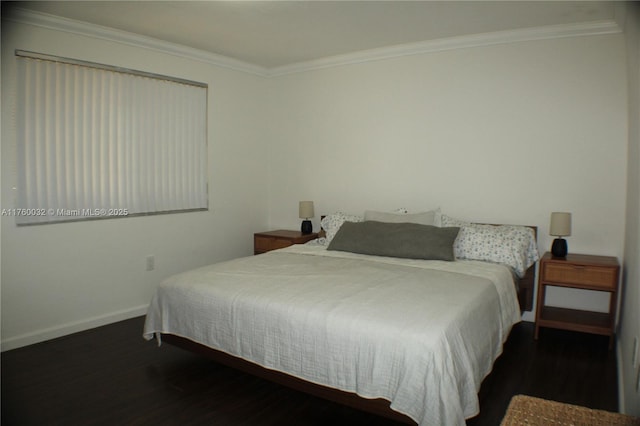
{"type": "Point", "coordinates": [96, 141]}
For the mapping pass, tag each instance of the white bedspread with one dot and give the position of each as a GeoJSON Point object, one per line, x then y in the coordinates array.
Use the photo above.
{"type": "Point", "coordinates": [421, 334]}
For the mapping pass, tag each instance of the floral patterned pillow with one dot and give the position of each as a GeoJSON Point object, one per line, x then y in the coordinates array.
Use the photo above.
{"type": "Point", "coordinates": [514, 246]}
{"type": "Point", "coordinates": [331, 223]}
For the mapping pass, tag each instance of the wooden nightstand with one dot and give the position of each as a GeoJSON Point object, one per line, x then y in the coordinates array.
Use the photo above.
{"type": "Point", "coordinates": [272, 240]}
{"type": "Point", "coordinates": [583, 272]}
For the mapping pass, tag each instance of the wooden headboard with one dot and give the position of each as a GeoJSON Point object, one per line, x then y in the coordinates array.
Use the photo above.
{"type": "Point", "coordinates": [527, 283]}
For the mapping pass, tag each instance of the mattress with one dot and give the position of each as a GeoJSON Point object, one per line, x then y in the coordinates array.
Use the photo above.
{"type": "Point", "coordinates": [421, 334]}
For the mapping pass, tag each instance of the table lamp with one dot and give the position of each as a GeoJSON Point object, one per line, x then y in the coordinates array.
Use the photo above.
{"type": "Point", "coordinates": [560, 227]}
{"type": "Point", "coordinates": [305, 211]}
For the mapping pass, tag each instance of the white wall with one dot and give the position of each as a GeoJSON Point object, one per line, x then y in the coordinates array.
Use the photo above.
{"type": "Point", "coordinates": [65, 277]}
{"type": "Point", "coordinates": [502, 134]}
{"type": "Point", "coordinates": [629, 373]}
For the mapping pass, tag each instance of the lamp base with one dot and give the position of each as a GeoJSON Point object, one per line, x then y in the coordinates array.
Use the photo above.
{"type": "Point", "coordinates": [307, 227]}
{"type": "Point", "coordinates": [559, 248]}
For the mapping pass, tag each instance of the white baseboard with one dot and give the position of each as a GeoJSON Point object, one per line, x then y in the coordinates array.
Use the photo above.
{"type": "Point", "coordinates": [621, 404]}
{"type": "Point", "coordinates": [72, 327]}
{"type": "Point", "coordinates": [529, 316]}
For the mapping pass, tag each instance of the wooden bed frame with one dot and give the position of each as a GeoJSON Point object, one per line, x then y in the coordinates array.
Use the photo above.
{"type": "Point", "coordinates": [526, 283]}
{"type": "Point", "coordinates": [378, 406]}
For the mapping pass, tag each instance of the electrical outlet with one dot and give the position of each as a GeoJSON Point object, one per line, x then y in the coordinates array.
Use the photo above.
{"type": "Point", "coordinates": [634, 354]}
{"type": "Point", "coordinates": [151, 262]}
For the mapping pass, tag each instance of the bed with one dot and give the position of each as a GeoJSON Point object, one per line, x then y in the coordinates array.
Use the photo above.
{"type": "Point", "coordinates": [403, 337]}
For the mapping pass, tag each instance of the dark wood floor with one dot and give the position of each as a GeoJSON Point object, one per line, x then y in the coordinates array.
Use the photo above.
{"type": "Point", "coordinates": [111, 376]}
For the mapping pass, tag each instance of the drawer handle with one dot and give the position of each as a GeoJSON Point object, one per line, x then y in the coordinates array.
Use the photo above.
{"type": "Point", "coordinates": [579, 267]}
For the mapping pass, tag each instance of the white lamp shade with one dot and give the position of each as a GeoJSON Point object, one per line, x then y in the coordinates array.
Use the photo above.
{"type": "Point", "coordinates": [560, 224]}
{"type": "Point", "coordinates": [305, 210]}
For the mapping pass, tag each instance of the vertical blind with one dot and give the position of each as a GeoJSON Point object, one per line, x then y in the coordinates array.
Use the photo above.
{"type": "Point", "coordinates": [95, 142]}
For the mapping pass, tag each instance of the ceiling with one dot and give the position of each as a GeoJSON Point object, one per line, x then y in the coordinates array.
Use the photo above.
{"type": "Point", "coordinates": [272, 34]}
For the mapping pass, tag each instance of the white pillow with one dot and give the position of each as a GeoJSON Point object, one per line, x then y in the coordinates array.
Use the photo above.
{"type": "Point", "coordinates": [514, 246]}
{"type": "Point", "coordinates": [332, 223]}
{"type": "Point", "coordinates": [424, 218]}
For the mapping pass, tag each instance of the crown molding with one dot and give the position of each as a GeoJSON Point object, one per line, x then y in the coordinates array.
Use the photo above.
{"type": "Point", "coordinates": [58, 23]}
{"type": "Point", "coordinates": [430, 46]}
{"type": "Point", "coordinates": [452, 43]}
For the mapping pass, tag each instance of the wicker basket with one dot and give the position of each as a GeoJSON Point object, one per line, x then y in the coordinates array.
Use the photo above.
{"type": "Point", "coordinates": [530, 411]}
